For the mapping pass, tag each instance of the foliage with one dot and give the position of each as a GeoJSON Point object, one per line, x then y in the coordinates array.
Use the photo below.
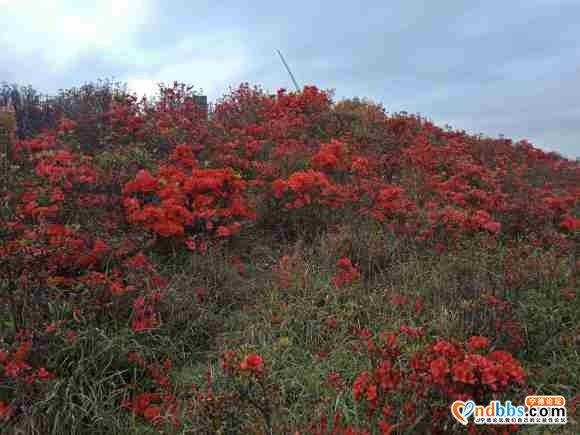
{"type": "Point", "coordinates": [286, 264]}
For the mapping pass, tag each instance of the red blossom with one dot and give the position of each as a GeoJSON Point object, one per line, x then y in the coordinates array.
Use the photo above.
{"type": "Point", "coordinates": [5, 411]}
{"type": "Point", "coordinates": [477, 342]}
{"type": "Point", "coordinates": [398, 299]}
{"type": "Point", "coordinates": [252, 362]}
{"type": "Point", "coordinates": [439, 370]}
{"type": "Point", "coordinates": [463, 372]}
{"type": "Point", "coordinates": [347, 275]}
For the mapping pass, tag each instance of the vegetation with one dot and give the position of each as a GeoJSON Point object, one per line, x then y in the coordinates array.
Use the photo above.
{"type": "Point", "coordinates": [285, 265]}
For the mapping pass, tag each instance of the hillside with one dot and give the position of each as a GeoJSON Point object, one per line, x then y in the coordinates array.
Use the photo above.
{"type": "Point", "coordinates": [287, 264]}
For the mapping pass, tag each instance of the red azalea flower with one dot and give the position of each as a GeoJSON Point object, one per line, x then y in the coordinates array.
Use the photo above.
{"type": "Point", "coordinates": [463, 372]}
{"type": "Point", "coordinates": [5, 410]}
{"type": "Point", "coordinates": [398, 299]}
{"type": "Point", "coordinates": [360, 384]}
{"type": "Point", "coordinates": [152, 412]}
{"type": "Point", "coordinates": [252, 362]}
{"type": "Point", "coordinates": [477, 342]}
{"type": "Point", "coordinates": [385, 427]}
{"type": "Point", "coordinates": [190, 243]}
{"type": "Point", "coordinates": [45, 375]}
{"type": "Point", "coordinates": [372, 392]}
{"type": "Point", "coordinates": [439, 369]}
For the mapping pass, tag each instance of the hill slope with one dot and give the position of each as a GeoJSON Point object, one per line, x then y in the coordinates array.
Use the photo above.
{"type": "Point", "coordinates": [289, 264]}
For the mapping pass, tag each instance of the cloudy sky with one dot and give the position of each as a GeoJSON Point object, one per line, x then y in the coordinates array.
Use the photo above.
{"type": "Point", "coordinates": [493, 67]}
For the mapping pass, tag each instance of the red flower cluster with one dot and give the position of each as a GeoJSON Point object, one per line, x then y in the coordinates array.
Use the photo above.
{"type": "Point", "coordinates": [16, 368]}
{"type": "Point", "coordinates": [348, 274]}
{"type": "Point", "coordinates": [5, 411]}
{"type": "Point", "coordinates": [447, 360]}
{"type": "Point", "coordinates": [446, 368]}
{"type": "Point", "coordinates": [159, 407]}
{"type": "Point", "coordinates": [457, 220]}
{"type": "Point", "coordinates": [307, 187]}
{"type": "Point", "coordinates": [172, 202]}
{"type": "Point", "coordinates": [332, 156]}
{"type": "Point", "coordinates": [390, 202]}
{"type": "Point", "coordinates": [252, 363]}
{"type": "Point", "coordinates": [570, 224]}
{"type": "Point", "coordinates": [144, 311]}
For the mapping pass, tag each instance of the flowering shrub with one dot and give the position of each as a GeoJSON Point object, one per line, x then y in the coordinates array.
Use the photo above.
{"type": "Point", "coordinates": [129, 244]}
{"type": "Point", "coordinates": [172, 203]}
{"type": "Point", "coordinates": [160, 407]}
{"type": "Point", "coordinates": [443, 371]}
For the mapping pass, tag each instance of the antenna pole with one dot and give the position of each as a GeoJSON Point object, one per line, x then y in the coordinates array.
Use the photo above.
{"type": "Point", "coordinates": [289, 72]}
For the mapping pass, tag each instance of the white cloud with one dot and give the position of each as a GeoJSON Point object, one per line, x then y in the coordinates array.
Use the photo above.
{"type": "Point", "coordinates": [211, 63]}
{"type": "Point", "coordinates": [58, 32]}
{"type": "Point", "coordinates": [142, 87]}
{"type": "Point", "coordinates": [46, 41]}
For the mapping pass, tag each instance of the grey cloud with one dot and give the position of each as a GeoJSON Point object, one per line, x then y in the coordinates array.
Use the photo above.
{"type": "Point", "coordinates": [492, 67]}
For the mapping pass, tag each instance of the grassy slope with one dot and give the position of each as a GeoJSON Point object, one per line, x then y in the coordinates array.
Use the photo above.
{"type": "Point", "coordinates": [276, 297]}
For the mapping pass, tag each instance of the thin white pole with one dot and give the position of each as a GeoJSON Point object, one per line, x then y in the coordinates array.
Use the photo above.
{"type": "Point", "coordinates": [289, 72]}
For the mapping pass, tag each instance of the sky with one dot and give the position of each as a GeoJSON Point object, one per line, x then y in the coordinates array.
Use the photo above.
{"type": "Point", "coordinates": [507, 68]}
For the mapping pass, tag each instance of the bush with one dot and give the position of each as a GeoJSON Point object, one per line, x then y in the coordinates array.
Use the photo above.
{"type": "Point", "coordinates": [285, 264]}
